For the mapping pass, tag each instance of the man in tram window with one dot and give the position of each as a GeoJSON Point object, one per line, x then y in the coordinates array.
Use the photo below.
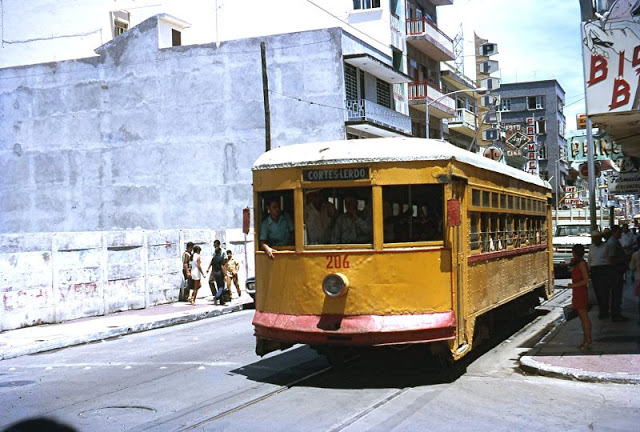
{"type": "Point", "coordinates": [319, 214]}
{"type": "Point", "coordinates": [276, 229]}
{"type": "Point", "coordinates": [352, 226]}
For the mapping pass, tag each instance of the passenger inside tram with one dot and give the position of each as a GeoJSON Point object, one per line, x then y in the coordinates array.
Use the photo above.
{"type": "Point", "coordinates": [354, 225]}
{"type": "Point", "coordinates": [277, 228]}
{"type": "Point", "coordinates": [319, 216]}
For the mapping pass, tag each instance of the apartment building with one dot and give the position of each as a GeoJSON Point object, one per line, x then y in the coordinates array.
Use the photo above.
{"type": "Point", "coordinates": [531, 113]}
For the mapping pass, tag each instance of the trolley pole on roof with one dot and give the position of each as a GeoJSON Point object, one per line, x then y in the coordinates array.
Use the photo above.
{"type": "Point", "coordinates": [265, 95]}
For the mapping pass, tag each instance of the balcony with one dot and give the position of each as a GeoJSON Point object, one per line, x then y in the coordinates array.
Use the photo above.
{"type": "Point", "coordinates": [440, 105]}
{"type": "Point", "coordinates": [464, 122]}
{"type": "Point", "coordinates": [366, 116]}
{"type": "Point", "coordinates": [429, 39]}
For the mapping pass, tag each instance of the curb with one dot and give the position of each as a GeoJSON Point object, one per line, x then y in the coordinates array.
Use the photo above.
{"type": "Point", "coordinates": [529, 364]}
{"type": "Point", "coordinates": [65, 342]}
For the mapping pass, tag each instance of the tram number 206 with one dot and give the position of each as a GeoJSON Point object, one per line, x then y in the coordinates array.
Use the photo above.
{"type": "Point", "coordinates": [337, 262]}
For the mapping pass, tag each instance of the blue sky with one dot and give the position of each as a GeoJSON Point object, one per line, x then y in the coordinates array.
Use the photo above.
{"type": "Point", "coordinates": [537, 40]}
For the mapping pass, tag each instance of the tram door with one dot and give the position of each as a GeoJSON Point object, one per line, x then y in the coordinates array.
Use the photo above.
{"type": "Point", "coordinates": [455, 226]}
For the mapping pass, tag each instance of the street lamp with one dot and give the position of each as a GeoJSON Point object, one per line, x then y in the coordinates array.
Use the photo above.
{"type": "Point", "coordinates": [480, 90]}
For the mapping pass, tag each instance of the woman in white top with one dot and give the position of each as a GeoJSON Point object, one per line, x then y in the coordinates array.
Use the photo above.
{"type": "Point", "coordinates": [196, 274]}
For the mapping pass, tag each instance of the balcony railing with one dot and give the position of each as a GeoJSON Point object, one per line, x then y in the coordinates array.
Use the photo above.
{"type": "Point", "coordinates": [418, 90]}
{"type": "Point", "coordinates": [465, 118]}
{"type": "Point", "coordinates": [365, 110]}
{"type": "Point", "coordinates": [423, 26]}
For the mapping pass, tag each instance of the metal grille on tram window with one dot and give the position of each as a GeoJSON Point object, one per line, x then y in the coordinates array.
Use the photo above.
{"type": "Point", "coordinates": [350, 82]}
{"type": "Point", "coordinates": [383, 93]}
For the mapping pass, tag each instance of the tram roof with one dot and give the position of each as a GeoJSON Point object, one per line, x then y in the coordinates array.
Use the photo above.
{"type": "Point", "coordinates": [382, 150]}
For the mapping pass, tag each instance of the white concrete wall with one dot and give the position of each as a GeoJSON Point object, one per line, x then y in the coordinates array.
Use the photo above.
{"type": "Point", "coordinates": [55, 277]}
{"type": "Point", "coordinates": [109, 164]}
{"type": "Point", "coordinates": [157, 139]}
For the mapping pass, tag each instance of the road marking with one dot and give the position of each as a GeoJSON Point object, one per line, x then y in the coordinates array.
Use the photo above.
{"type": "Point", "coordinates": [165, 365]}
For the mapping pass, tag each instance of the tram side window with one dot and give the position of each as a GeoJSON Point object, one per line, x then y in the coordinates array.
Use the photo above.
{"type": "Point", "coordinates": [319, 215]}
{"type": "Point", "coordinates": [353, 219]}
{"type": "Point", "coordinates": [474, 236]}
{"type": "Point", "coordinates": [412, 213]}
{"type": "Point", "coordinates": [276, 223]}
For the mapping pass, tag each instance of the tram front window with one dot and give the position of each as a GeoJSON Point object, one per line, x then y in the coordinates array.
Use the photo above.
{"type": "Point", "coordinates": [338, 216]}
{"type": "Point", "coordinates": [413, 213]}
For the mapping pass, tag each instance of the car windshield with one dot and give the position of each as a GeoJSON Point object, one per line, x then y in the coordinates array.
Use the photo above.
{"type": "Point", "coordinates": [573, 230]}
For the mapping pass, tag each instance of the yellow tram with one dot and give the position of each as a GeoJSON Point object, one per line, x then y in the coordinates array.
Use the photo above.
{"type": "Point", "coordinates": [393, 241]}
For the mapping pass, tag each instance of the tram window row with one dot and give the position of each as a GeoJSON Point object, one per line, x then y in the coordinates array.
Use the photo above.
{"type": "Point", "coordinates": [503, 221]}
{"type": "Point", "coordinates": [344, 215]}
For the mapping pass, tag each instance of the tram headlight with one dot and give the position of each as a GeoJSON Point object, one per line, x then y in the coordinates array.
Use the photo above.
{"type": "Point", "coordinates": [335, 285]}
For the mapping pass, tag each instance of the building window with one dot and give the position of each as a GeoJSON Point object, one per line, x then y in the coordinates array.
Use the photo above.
{"type": "Point", "coordinates": [351, 82]}
{"type": "Point", "coordinates": [542, 152]}
{"type": "Point", "coordinates": [120, 22]}
{"type": "Point", "coordinates": [176, 38]}
{"type": "Point", "coordinates": [366, 4]}
{"type": "Point", "coordinates": [505, 105]}
{"type": "Point", "coordinates": [119, 28]}
{"type": "Point", "coordinates": [541, 126]}
{"type": "Point", "coordinates": [383, 93]}
{"type": "Point", "coordinates": [561, 126]}
{"type": "Point", "coordinates": [535, 102]}
{"type": "Point", "coordinates": [560, 105]}
{"type": "Point", "coordinates": [397, 59]}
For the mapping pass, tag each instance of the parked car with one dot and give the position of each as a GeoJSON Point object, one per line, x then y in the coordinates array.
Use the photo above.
{"type": "Point", "coordinates": [250, 286]}
{"type": "Point", "coordinates": [566, 235]}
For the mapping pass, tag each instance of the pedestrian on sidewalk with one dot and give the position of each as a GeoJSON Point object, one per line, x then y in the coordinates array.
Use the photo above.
{"type": "Point", "coordinates": [232, 272]}
{"type": "Point", "coordinates": [634, 265]}
{"type": "Point", "coordinates": [216, 279]}
{"type": "Point", "coordinates": [196, 274]}
{"type": "Point", "coordinates": [618, 264]}
{"type": "Point", "coordinates": [186, 271]}
{"type": "Point", "coordinates": [580, 286]}
{"type": "Point", "coordinates": [599, 267]}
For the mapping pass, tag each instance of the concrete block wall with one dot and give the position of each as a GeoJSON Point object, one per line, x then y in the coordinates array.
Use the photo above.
{"type": "Point", "coordinates": [56, 277]}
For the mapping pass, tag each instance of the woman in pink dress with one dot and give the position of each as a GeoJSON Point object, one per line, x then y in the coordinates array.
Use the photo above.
{"type": "Point", "coordinates": [580, 286]}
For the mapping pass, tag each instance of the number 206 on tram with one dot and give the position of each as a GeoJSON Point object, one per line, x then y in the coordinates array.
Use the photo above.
{"type": "Point", "coordinates": [393, 241]}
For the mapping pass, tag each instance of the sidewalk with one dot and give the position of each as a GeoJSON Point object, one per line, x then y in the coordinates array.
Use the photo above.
{"type": "Point", "coordinates": [46, 337]}
{"type": "Point", "coordinates": [613, 357]}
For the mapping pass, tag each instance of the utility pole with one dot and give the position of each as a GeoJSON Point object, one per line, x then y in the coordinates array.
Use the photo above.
{"type": "Point", "coordinates": [265, 96]}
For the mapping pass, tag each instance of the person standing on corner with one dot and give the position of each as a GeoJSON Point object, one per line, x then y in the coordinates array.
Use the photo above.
{"type": "Point", "coordinates": [580, 300]}
{"type": "Point", "coordinates": [196, 274]}
{"type": "Point", "coordinates": [232, 272]}
{"type": "Point", "coordinates": [217, 276]}
{"type": "Point", "coordinates": [617, 267]}
{"type": "Point", "coordinates": [634, 265]}
{"type": "Point", "coordinates": [599, 266]}
{"type": "Point", "coordinates": [216, 244]}
{"type": "Point", "coordinates": [186, 271]}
